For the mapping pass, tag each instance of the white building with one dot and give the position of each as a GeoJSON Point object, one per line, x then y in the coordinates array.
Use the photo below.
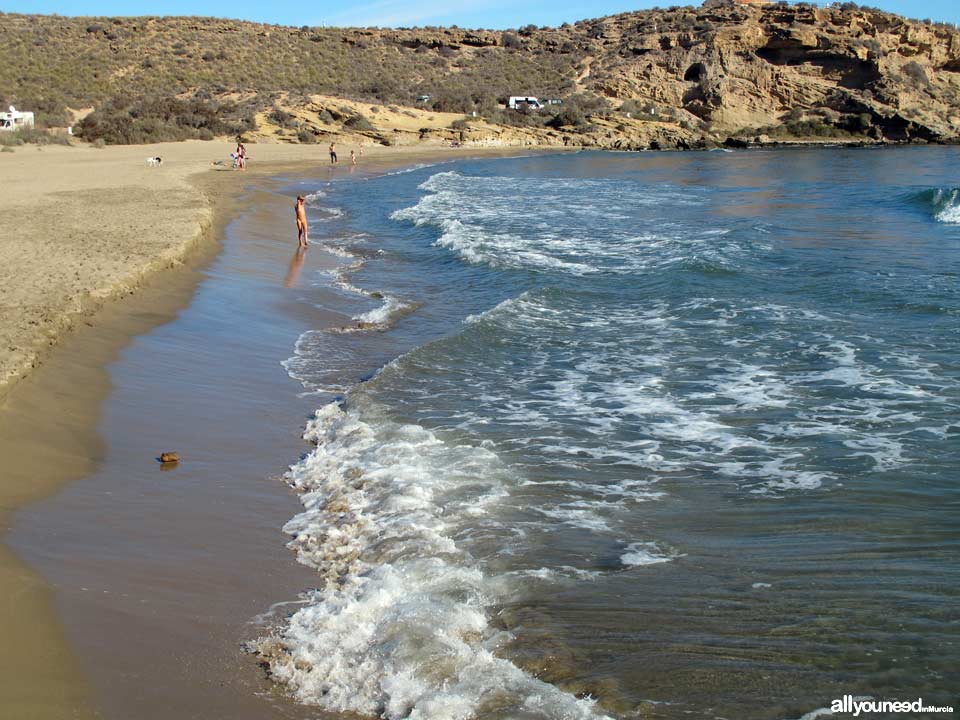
{"type": "Point", "coordinates": [14, 120]}
{"type": "Point", "coordinates": [517, 102]}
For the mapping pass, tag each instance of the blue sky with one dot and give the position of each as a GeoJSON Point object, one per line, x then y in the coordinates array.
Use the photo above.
{"type": "Point", "coordinates": [387, 13]}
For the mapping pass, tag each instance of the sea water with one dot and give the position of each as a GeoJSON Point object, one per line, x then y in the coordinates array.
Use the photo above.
{"type": "Point", "coordinates": [632, 435]}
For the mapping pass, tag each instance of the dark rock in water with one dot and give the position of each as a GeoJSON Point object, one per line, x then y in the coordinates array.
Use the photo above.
{"type": "Point", "coordinates": [169, 457]}
{"type": "Point", "coordinates": [736, 143]}
{"type": "Point", "coordinates": [376, 295]}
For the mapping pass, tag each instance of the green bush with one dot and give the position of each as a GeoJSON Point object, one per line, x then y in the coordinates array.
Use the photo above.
{"type": "Point", "coordinates": [146, 120]}
{"type": "Point", "coordinates": [358, 122]}
{"type": "Point", "coordinates": [568, 117]}
{"type": "Point", "coordinates": [916, 73]}
{"type": "Point", "coordinates": [282, 118]}
{"type": "Point", "coordinates": [32, 136]}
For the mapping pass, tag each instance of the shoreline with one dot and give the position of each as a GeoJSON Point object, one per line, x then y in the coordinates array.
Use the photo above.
{"type": "Point", "coordinates": [71, 385]}
{"type": "Point", "coordinates": [108, 254]}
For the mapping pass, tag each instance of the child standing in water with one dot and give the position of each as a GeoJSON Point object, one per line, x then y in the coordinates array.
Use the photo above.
{"type": "Point", "coordinates": [301, 213]}
{"type": "Point", "coordinates": [353, 157]}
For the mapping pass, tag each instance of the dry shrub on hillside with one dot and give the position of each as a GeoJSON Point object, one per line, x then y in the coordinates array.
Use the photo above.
{"type": "Point", "coordinates": [146, 120]}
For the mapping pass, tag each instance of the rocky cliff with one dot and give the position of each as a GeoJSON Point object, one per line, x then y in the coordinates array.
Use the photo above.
{"type": "Point", "coordinates": [733, 67]}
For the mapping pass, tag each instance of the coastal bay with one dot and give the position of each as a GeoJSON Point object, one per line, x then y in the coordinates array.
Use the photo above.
{"type": "Point", "coordinates": [619, 378]}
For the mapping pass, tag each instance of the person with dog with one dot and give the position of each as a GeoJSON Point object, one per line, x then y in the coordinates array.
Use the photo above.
{"type": "Point", "coordinates": [301, 212]}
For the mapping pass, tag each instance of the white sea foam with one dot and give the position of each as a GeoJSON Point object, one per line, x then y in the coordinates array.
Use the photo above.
{"type": "Point", "coordinates": [340, 275]}
{"type": "Point", "coordinates": [645, 553]}
{"type": "Point", "coordinates": [949, 203]}
{"type": "Point", "coordinates": [480, 220]}
{"type": "Point", "coordinates": [400, 626]}
{"type": "Point", "coordinates": [607, 371]}
{"type": "Point", "coordinates": [328, 212]}
{"type": "Point", "coordinates": [322, 363]}
{"type": "Point", "coordinates": [587, 518]}
{"type": "Point", "coordinates": [950, 215]}
{"type": "Point", "coordinates": [412, 168]}
{"type": "Point", "coordinates": [321, 212]}
{"type": "Point", "coordinates": [554, 574]}
{"type": "Point", "coordinates": [338, 251]}
{"type": "Point", "coordinates": [387, 313]}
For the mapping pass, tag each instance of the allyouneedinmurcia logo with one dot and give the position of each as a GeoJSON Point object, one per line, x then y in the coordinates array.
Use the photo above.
{"type": "Point", "coordinates": [856, 706]}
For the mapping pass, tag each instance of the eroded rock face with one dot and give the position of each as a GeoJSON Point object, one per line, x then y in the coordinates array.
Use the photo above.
{"type": "Point", "coordinates": [744, 69]}
{"type": "Point", "coordinates": [733, 66]}
{"type": "Point", "coordinates": [737, 67]}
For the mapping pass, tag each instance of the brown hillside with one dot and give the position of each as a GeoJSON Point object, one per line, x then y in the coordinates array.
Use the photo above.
{"type": "Point", "coordinates": [723, 69]}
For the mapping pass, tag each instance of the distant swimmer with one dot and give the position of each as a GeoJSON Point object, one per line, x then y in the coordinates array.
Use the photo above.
{"type": "Point", "coordinates": [333, 153]}
{"type": "Point", "coordinates": [301, 211]}
{"type": "Point", "coordinates": [353, 157]}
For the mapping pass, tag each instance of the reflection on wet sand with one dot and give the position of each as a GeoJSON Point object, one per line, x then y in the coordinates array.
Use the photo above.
{"type": "Point", "coordinates": [296, 265]}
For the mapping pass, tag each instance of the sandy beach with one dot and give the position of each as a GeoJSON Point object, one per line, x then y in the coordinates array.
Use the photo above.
{"type": "Point", "coordinates": [100, 248]}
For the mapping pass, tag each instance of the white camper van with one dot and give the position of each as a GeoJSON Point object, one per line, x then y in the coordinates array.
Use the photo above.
{"type": "Point", "coordinates": [518, 102]}
{"type": "Point", "coordinates": [14, 120]}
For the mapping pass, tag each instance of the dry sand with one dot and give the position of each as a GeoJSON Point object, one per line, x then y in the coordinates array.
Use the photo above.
{"type": "Point", "coordinates": [81, 226]}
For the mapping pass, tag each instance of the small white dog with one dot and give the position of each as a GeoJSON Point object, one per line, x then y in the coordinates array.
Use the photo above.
{"type": "Point", "coordinates": [154, 162]}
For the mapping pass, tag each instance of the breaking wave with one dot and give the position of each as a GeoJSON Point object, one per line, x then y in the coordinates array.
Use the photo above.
{"type": "Point", "coordinates": [943, 202]}
{"type": "Point", "coordinates": [558, 228]}
{"type": "Point", "coordinates": [401, 625]}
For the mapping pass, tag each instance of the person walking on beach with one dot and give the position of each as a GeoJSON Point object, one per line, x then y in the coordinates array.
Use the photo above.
{"type": "Point", "coordinates": [301, 213]}
{"type": "Point", "coordinates": [333, 153]}
{"type": "Point", "coordinates": [353, 157]}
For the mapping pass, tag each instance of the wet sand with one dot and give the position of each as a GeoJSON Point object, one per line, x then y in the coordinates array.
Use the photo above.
{"type": "Point", "coordinates": [48, 437]}
{"type": "Point", "coordinates": [156, 575]}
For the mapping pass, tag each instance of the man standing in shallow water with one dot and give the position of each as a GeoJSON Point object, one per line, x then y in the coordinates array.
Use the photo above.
{"type": "Point", "coordinates": [333, 153]}
{"type": "Point", "coordinates": [301, 212]}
